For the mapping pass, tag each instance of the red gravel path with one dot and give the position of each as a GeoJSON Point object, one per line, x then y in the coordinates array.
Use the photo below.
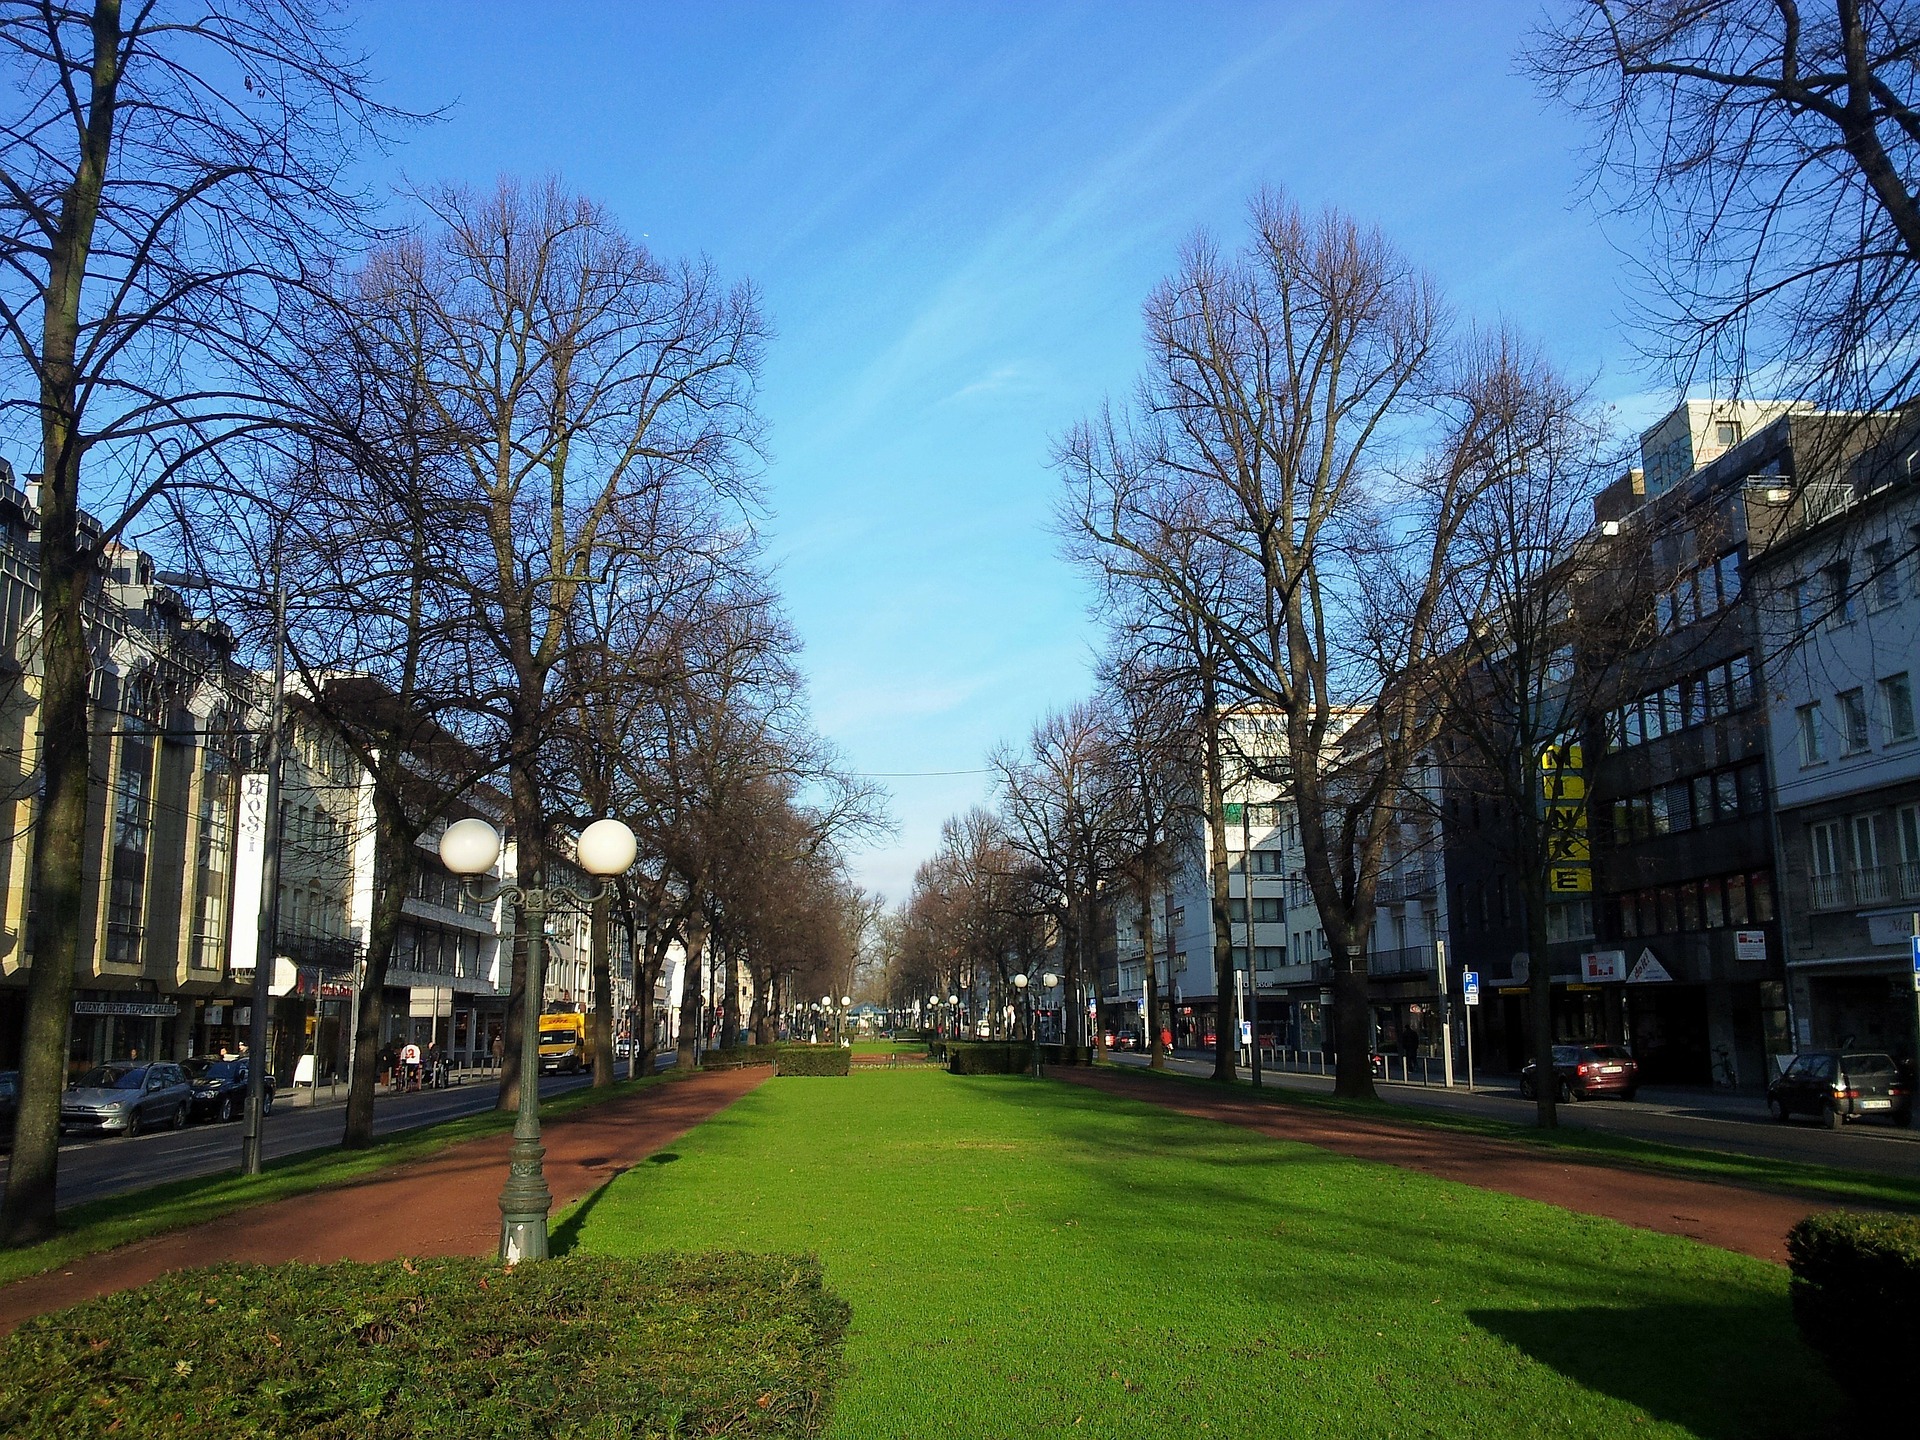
{"type": "Point", "coordinates": [1753, 1222]}
{"type": "Point", "coordinates": [446, 1204]}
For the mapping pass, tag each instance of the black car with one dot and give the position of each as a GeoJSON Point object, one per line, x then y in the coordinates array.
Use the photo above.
{"type": "Point", "coordinates": [1842, 1085]}
{"type": "Point", "coordinates": [220, 1087]}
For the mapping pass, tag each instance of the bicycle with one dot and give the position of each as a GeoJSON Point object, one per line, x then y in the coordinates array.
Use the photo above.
{"type": "Point", "coordinates": [1725, 1076]}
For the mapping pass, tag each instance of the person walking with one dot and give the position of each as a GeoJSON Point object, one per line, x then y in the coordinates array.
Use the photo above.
{"type": "Point", "coordinates": [499, 1050]}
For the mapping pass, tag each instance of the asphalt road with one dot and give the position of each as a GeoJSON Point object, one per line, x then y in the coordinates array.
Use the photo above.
{"type": "Point", "coordinates": [93, 1168]}
{"type": "Point", "coordinates": [1706, 1120]}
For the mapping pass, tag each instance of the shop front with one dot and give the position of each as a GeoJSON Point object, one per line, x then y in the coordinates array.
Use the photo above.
{"type": "Point", "coordinates": [109, 1026]}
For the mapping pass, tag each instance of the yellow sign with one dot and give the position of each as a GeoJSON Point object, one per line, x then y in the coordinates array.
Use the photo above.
{"type": "Point", "coordinates": [1563, 788]}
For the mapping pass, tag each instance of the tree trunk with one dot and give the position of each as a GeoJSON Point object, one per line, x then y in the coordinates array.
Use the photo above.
{"type": "Point", "coordinates": [394, 864]}
{"type": "Point", "coordinates": [727, 1009]}
{"type": "Point", "coordinates": [1352, 1022]}
{"type": "Point", "coordinates": [1144, 894]}
{"type": "Point", "coordinates": [59, 847]}
{"type": "Point", "coordinates": [60, 828]}
{"type": "Point", "coordinates": [690, 999]}
{"type": "Point", "coordinates": [1540, 996]}
{"type": "Point", "coordinates": [600, 1022]}
{"type": "Point", "coordinates": [1225, 1064]}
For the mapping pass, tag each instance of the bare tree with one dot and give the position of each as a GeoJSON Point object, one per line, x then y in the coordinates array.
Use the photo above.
{"type": "Point", "coordinates": [1773, 151]}
{"type": "Point", "coordinates": [168, 175]}
{"type": "Point", "coordinates": [1065, 813]}
{"type": "Point", "coordinates": [1296, 419]}
{"type": "Point", "coordinates": [1154, 732]}
{"type": "Point", "coordinates": [1535, 594]}
{"type": "Point", "coordinates": [578, 377]}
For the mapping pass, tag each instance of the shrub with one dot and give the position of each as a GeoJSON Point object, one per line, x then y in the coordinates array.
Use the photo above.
{"type": "Point", "coordinates": [1856, 1296]}
{"type": "Point", "coordinates": [813, 1060]}
{"type": "Point", "coordinates": [989, 1057]}
{"type": "Point", "coordinates": [1066, 1055]}
{"type": "Point", "coordinates": [726, 1344]}
{"type": "Point", "coordinates": [728, 1058]}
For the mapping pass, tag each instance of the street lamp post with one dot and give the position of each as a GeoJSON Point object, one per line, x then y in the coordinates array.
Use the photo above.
{"type": "Point", "coordinates": [1025, 986]}
{"type": "Point", "coordinates": [469, 849]}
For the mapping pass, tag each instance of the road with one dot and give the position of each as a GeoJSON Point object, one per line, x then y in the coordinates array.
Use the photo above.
{"type": "Point", "coordinates": [93, 1168]}
{"type": "Point", "coordinates": [1706, 1120]}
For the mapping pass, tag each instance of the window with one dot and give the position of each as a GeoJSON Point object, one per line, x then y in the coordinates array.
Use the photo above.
{"type": "Point", "coordinates": [1906, 824]}
{"type": "Point", "coordinates": [1896, 706]}
{"type": "Point", "coordinates": [1727, 433]}
{"type": "Point", "coordinates": [1268, 908]}
{"type": "Point", "coordinates": [1864, 835]}
{"type": "Point", "coordinates": [1806, 604]}
{"type": "Point", "coordinates": [1884, 588]}
{"type": "Point", "coordinates": [1838, 592]}
{"type": "Point", "coordinates": [1237, 911]}
{"type": "Point", "coordinates": [1726, 796]}
{"type": "Point", "coordinates": [1635, 725]}
{"type": "Point", "coordinates": [1753, 788]}
{"type": "Point", "coordinates": [1852, 706]}
{"type": "Point", "coordinates": [1266, 862]}
{"type": "Point", "coordinates": [1679, 807]}
{"type": "Point", "coordinates": [1269, 957]}
{"type": "Point", "coordinates": [1713, 905]}
{"type": "Point", "coordinates": [1703, 800]}
{"type": "Point", "coordinates": [1760, 896]}
{"type": "Point", "coordinates": [1739, 683]}
{"type": "Point", "coordinates": [1812, 743]}
{"type": "Point", "coordinates": [1728, 569]}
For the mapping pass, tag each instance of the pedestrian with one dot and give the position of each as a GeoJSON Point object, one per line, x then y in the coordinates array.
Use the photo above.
{"type": "Point", "coordinates": [499, 1050]}
{"type": "Point", "coordinates": [1166, 1039]}
{"type": "Point", "coordinates": [410, 1062]}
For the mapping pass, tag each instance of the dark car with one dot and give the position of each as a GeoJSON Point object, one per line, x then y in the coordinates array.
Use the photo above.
{"type": "Point", "coordinates": [120, 1098]}
{"type": "Point", "coordinates": [1586, 1072]}
{"type": "Point", "coordinates": [1841, 1085]}
{"type": "Point", "coordinates": [220, 1087]}
{"type": "Point", "coordinates": [9, 1103]}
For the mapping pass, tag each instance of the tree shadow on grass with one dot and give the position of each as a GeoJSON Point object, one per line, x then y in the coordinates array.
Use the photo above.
{"type": "Point", "coordinates": [1748, 1375]}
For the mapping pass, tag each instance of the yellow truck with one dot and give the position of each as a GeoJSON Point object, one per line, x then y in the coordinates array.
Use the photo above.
{"type": "Point", "coordinates": [563, 1044]}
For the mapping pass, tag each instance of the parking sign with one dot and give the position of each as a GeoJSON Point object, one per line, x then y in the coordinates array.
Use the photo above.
{"type": "Point", "coordinates": [1470, 986]}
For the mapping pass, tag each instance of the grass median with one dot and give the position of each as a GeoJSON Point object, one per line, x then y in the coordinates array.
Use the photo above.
{"type": "Point", "coordinates": [117, 1220]}
{"type": "Point", "coordinates": [1795, 1177]}
{"type": "Point", "coordinates": [1047, 1260]}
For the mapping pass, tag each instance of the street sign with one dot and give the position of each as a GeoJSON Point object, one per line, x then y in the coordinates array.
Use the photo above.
{"type": "Point", "coordinates": [1916, 957]}
{"type": "Point", "coordinates": [1470, 986]}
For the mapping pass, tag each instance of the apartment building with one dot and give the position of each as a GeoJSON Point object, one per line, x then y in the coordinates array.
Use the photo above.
{"type": "Point", "coordinates": [1839, 601]}
{"type": "Point", "coordinates": [171, 736]}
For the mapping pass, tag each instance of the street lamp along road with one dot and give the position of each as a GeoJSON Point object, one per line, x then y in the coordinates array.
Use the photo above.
{"type": "Point", "coordinates": [469, 849]}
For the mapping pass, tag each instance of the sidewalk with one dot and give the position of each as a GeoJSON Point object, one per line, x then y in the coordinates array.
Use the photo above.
{"type": "Point", "coordinates": [446, 1204]}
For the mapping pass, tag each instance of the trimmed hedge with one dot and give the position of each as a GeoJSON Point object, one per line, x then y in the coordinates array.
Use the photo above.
{"type": "Point", "coordinates": [1856, 1296]}
{"type": "Point", "coordinates": [727, 1058]}
{"type": "Point", "coordinates": [989, 1057]}
{"type": "Point", "coordinates": [581, 1346]}
{"type": "Point", "coordinates": [813, 1060]}
{"type": "Point", "coordinates": [1067, 1054]}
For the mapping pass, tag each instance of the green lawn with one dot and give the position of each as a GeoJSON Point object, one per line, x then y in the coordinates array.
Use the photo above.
{"type": "Point", "coordinates": [1034, 1259]}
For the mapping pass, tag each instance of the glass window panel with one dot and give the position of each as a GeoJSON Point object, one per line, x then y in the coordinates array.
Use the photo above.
{"type": "Point", "coordinates": [1736, 900]}
{"type": "Point", "coordinates": [1713, 905]}
{"type": "Point", "coordinates": [1703, 806]}
{"type": "Point", "coordinates": [1669, 909]}
{"type": "Point", "coordinates": [1690, 906]}
{"type": "Point", "coordinates": [1726, 795]}
{"type": "Point", "coordinates": [1760, 896]}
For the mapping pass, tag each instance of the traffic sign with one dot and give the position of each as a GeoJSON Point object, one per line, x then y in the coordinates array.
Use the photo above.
{"type": "Point", "coordinates": [1916, 957]}
{"type": "Point", "coordinates": [1470, 986]}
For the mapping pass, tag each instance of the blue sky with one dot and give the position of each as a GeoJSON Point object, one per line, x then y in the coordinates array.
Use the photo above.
{"type": "Point", "coordinates": [953, 212]}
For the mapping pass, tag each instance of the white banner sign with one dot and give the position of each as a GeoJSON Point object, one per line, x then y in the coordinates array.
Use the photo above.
{"type": "Point", "coordinates": [1750, 944]}
{"type": "Point", "coordinates": [1599, 967]}
{"type": "Point", "coordinates": [250, 851]}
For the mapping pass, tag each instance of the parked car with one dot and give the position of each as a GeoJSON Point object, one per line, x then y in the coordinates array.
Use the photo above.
{"type": "Point", "coordinates": [120, 1098]}
{"type": "Point", "coordinates": [220, 1087]}
{"type": "Point", "coordinates": [1586, 1072]}
{"type": "Point", "coordinates": [1841, 1085]}
{"type": "Point", "coordinates": [9, 1103]}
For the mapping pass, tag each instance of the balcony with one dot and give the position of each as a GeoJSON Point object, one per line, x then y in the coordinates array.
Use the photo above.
{"type": "Point", "coordinates": [1873, 885]}
{"type": "Point", "coordinates": [1411, 884]}
{"type": "Point", "coordinates": [1407, 960]}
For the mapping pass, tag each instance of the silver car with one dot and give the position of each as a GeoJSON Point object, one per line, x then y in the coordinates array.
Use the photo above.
{"type": "Point", "coordinates": [120, 1098]}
